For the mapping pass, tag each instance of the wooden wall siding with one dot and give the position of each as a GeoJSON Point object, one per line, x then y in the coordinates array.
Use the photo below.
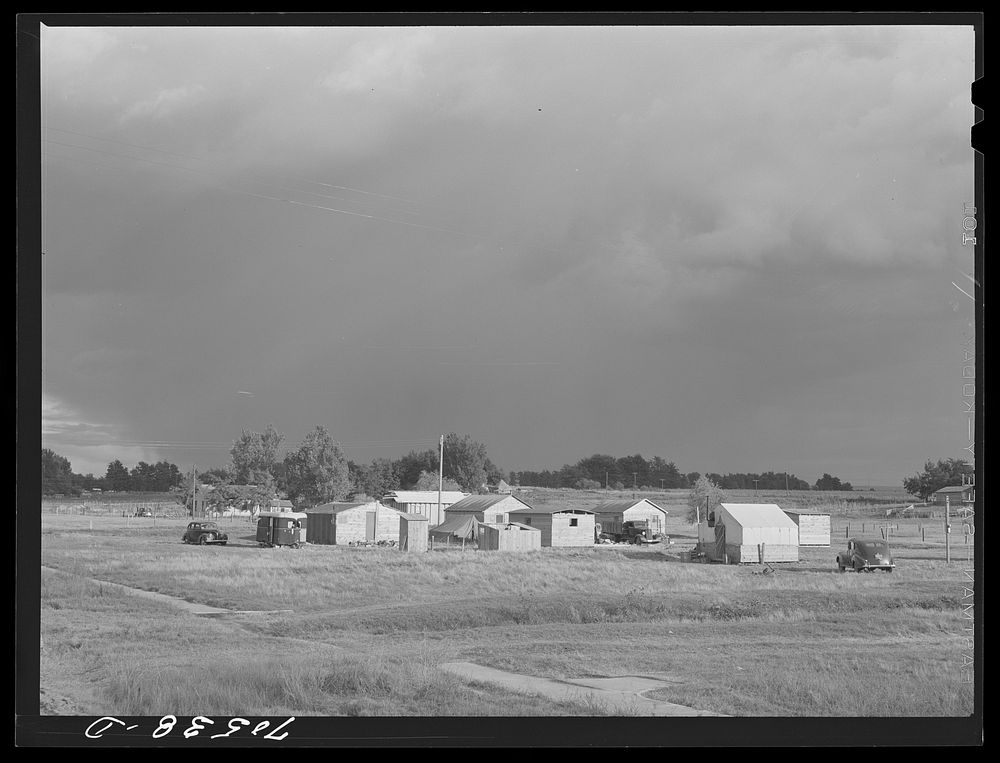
{"type": "Point", "coordinates": [351, 525]}
{"type": "Point", "coordinates": [563, 534]}
{"type": "Point", "coordinates": [413, 535]}
{"type": "Point", "coordinates": [613, 522]}
{"type": "Point", "coordinates": [814, 529]}
{"type": "Point", "coordinates": [321, 529]}
{"type": "Point", "coordinates": [500, 538]}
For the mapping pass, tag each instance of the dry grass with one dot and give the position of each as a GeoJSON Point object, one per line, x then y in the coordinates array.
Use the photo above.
{"type": "Point", "coordinates": [370, 626]}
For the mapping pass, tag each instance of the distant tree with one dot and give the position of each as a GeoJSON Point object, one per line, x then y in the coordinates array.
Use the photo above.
{"type": "Point", "coordinates": [494, 473]}
{"type": "Point", "coordinates": [465, 461]}
{"type": "Point", "coordinates": [378, 478]}
{"type": "Point", "coordinates": [413, 464]}
{"type": "Point", "coordinates": [829, 482]}
{"type": "Point", "coordinates": [117, 477]}
{"type": "Point", "coordinates": [586, 484]}
{"type": "Point", "coordinates": [937, 475]}
{"type": "Point", "coordinates": [691, 478]}
{"type": "Point", "coordinates": [429, 481]}
{"type": "Point", "coordinates": [57, 474]}
{"type": "Point", "coordinates": [317, 471]}
{"type": "Point", "coordinates": [255, 456]}
{"type": "Point", "coordinates": [705, 496]}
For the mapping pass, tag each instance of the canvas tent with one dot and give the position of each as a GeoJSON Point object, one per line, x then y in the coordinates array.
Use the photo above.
{"type": "Point", "coordinates": [740, 532]}
{"type": "Point", "coordinates": [456, 529]}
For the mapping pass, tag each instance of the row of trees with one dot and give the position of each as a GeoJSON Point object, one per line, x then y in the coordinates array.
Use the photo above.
{"type": "Point", "coordinates": [318, 471]}
{"type": "Point", "coordinates": [599, 471]}
{"type": "Point", "coordinates": [58, 477]}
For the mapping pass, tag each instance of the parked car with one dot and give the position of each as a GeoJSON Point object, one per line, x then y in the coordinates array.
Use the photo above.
{"type": "Point", "coordinates": [142, 512]}
{"type": "Point", "coordinates": [866, 556]}
{"type": "Point", "coordinates": [204, 533]}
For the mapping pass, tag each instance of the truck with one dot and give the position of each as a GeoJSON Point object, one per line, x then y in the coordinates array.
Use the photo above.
{"type": "Point", "coordinates": [634, 531]}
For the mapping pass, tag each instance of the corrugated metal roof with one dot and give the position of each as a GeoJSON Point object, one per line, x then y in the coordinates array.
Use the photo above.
{"type": "Point", "coordinates": [412, 517]}
{"type": "Point", "coordinates": [759, 514]}
{"type": "Point", "coordinates": [811, 512]}
{"type": "Point", "coordinates": [955, 489]}
{"type": "Point", "coordinates": [620, 507]}
{"type": "Point", "coordinates": [477, 503]}
{"type": "Point", "coordinates": [549, 510]}
{"type": "Point", "coordinates": [424, 496]}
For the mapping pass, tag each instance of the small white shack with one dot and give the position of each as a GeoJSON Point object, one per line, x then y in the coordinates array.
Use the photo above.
{"type": "Point", "coordinates": [739, 533]}
{"type": "Point", "coordinates": [510, 536]}
{"type": "Point", "coordinates": [342, 523]}
{"type": "Point", "coordinates": [560, 527]}
{"type": "Point", "coordinates": [814, 527]}
{"type": "Point", "coordinates": [423, 502]}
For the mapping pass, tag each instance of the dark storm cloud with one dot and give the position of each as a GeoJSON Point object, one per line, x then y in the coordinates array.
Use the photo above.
{"type": "Point", "coordinates": [601, 237]}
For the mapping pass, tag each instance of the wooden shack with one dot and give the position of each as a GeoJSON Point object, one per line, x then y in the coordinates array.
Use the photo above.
{"type": "Point", "coordinates": [343, 523]}
{"type": "Point", "coordinates": [559, 527]}
{"type": "Point", "coordinates": [739, 532]}
{"type": "Point", "coordinates": [509, 536]}
{"type": "Point", "coordinates": [612, 514]}
{"type": "Point", "coordinates": [492, 508]}
{"type": "Point", "coordinates": [413, 532]}
{"type": "Point", "coordinates": [423, 502]}
{"type": "Point", "coordinates": [814, 527]}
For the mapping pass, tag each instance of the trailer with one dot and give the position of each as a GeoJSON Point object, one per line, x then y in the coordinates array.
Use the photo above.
{"type": "Point", "coordinates": [279, 528]}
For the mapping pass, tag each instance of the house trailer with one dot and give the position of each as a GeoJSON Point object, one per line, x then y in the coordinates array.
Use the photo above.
{"type": "Point", "coordinates": [739, 533]}
{"type": "Point", "coordinates": [559, 527]}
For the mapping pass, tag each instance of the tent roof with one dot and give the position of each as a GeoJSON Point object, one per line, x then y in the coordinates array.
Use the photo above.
{"type": "Point", "coordinates": [459, 527]}
{"type": "Point", "coordinates": [477, 503]}
{"type": "Point", "coordinates": [758, 515]}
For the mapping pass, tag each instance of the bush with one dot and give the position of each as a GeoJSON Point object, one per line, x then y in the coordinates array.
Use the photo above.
{"type": "Point", "coordinates": [586, 484]}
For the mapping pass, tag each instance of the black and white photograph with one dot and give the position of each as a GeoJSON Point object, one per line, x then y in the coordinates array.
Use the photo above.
{"type": "Point", "coordinates": [602, 372]}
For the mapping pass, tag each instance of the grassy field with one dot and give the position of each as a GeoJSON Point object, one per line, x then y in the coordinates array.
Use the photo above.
{"type": "Point", "coordinates": [369, 626]}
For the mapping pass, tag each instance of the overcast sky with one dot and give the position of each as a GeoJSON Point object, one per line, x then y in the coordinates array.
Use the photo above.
{"type": "Point", "coordinates": [738, 248]}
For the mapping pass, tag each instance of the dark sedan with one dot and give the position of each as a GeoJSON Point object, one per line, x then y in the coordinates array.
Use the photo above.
{"type": "Point", "coordinates": [866, 556]}
{"type": "Point", "coordinates": [204, 533]}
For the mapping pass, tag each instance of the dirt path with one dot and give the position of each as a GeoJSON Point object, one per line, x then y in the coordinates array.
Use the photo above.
{"type": "Point", "coordinates": [621, 693]}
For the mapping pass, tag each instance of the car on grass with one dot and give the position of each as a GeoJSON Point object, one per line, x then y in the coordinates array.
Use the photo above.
{"type": "Point", "coordinates": [143, 512]}
{"type": "Point", "coordinates": [205, 533]}
{"type": "Point", "coordinates": [866, 556]}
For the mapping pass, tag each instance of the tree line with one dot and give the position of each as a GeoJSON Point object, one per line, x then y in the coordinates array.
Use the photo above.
{"type": "Point", "coordinates": [58, 477]}
{"type": "Point", "coordinates": [603, 471]}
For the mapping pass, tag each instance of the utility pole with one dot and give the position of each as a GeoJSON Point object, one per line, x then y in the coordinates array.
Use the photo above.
{"type": "Point", "coordinates": [661, 486]}
{"type": "Point", "coordinates": [440, 478]}
{"type": "Point", "coordinates": [605, 480]}
{"type": "Point", "coordinates": [947, 529]}
{"type": "Point", "coordinates": [633, 483]}
{"type": "Point", "coordinates": [194, 488]}
{"type": "Point", "coordinates": [786, 483]}
{"type": "Point", "coordinates": [755, 487]}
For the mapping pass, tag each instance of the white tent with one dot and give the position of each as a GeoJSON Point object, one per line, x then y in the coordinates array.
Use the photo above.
{"type": "Point", "coordinates": [741, 532]}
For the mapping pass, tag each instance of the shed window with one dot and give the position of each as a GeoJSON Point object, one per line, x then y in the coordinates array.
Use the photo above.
{"type": "Point", "coordinates": [574, 522]}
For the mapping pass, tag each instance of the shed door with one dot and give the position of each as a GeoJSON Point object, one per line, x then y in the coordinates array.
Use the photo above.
{"type": "Point", "coordinates": [369, 525]}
